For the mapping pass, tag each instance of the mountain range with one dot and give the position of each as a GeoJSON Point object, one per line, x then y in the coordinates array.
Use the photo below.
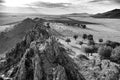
{"type": "Point", "coordinates": [110, 14]}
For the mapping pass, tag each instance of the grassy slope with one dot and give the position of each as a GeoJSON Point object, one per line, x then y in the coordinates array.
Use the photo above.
{"type": "Point", "coordinates": [107, 29]}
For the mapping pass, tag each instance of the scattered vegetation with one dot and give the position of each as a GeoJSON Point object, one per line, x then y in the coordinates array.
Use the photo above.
{"type": "Point", "coordinates": [82, 57]}
{"type": "Point", "coordinates": [100, 40]}
{"type": "Point", "coordinates": [68, 40]}
{"type": "Point", "coordinates": [91, 42]}
{"type": "Point", "coordinates": [75, 37]}
{"type": "Point", "coordinates": [105, 52]}
{"type": "Point", "coordinates": [83, 26]}
{"type": "Point", "coordinates": [89, 50]}
{"type": "Point", "coordinates": [116, 54]}
{"type": "Point", "coordinates": [84, 36]}
{"type": "Point", "coordinates": [80, 43]}
{"type": "Point", "coordinates": [90, 37]}
{"type": "Point", "coordinates": [112, 44]}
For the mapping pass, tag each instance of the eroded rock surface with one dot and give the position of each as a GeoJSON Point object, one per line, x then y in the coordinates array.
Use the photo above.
{"type": "Point", "coordinates": [39, 57]}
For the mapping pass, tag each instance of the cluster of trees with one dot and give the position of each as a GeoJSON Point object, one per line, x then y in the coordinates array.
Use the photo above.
{"type": "Point", "coordinates": [110, 50]}
{"type": "Point", "coordinates": [83, 26]}
{"type": "Point", "coordinates": [107, 50]}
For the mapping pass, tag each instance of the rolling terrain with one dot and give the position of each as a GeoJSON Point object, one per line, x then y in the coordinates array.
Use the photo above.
{"type": "Point", "coordinates": [110, 14]}
{"type": "Point", "coordinates": [35, 51]}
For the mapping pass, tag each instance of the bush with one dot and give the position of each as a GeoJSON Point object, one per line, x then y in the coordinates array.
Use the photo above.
{"type": "Point", "coordinates": [91, 42]}
{"type": "Point", "coordinates": [83, 26]}
{"type": "Point", "coordinates": [90, 37]}
{"type": "Point", "coordinates": [75, 37]}
{"type": "Point", "coordinates": [80, 43]}
{"type": "Point", "coordinates": [68, 40]}
{"type": "Point", "coordinates": [84, 36]}
{"type": "Point", "coordinates": [112, 44]}
{"type": "Point", "coordinates": [90, 49]}
{"type": "Point", "coordinates": [105, 52]}
{"type": "Point", "coordinates": [116, 54]}
{"type": "Point", "coordinates": [108, 43]}
{"type": "Point", "coordinates": [100, 40]}
{"type": "Point", "coordinates": [82, 57]}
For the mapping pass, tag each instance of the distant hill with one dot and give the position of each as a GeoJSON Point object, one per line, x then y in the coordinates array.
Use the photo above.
{"type": "Point", "coordinates": [110, 14]}
{"type": "Point", "coordinates": [77, 15]}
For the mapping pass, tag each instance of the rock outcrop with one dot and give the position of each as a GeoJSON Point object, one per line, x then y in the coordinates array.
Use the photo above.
{"type": "Point", "coordinates": [96, 69]}
{"type": "Point", "coordinates": [39, 56]}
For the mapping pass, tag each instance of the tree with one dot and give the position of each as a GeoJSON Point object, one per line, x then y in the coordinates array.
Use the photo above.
{"type": "Point", "coordinates": [68, 40]}
{"type": "Point", "coordinates": [88, 50]}
{"type": "Point", "coordinates": [80, 43]}
{"type": "Point", "coordinates": [48, 25]}
{"type": "Point", "coordinates": [84, 36]}
{"type": "Point", "coordinates": [75, 37]}
{"type": "Point", "coordinates": [116, 54]}
{"type": "Point", "coordinates": [100, 40]}
{"type": "Point", "coordinates": [82, 57]}
{"type": "Point", "coordinates": [90, 37]}
{"type": "Point", "coordinates": [105, 52]}
{"type": "Point", "coordinates": [83, 26]}
{"type": "Point", "coordinates": [91, 42]}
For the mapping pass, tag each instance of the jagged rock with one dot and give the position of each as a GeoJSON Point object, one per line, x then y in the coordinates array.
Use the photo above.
{"type": "Point", "coordinates": [40, 57]}
{"type": "Point", "coordinates": [91, 69]}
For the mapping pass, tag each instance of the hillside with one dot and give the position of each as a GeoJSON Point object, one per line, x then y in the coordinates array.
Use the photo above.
{"type": "Point", "coordinates": [39, 56]}
{"type": "Point", "coordinates": [110, 14]}
{"type": "Point", "coordinates": [42, 53]}
{"type": "Point", "coordinates": [10, 38]}
{"type": "Point", "coordinates": [77, 15]}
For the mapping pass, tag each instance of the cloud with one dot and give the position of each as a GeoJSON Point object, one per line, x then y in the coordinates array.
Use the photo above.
{"type": "Point", "coordinates": [1, 1]}
{"type": "Point", "coordinates": [51, 5]}
{"type": "Point", "coordinates": [115, 1]}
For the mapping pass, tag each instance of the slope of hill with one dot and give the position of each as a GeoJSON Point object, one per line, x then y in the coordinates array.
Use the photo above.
{"type": "Point", "coordinates": [110, 14]}
{"type": "Point", "coordinates": [42, 55]}
{"type": "Point", "coordinates": [39, 56]}
{"type": "Point", "coordinates": [9, 39]}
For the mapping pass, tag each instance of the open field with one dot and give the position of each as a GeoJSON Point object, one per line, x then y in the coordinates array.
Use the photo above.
{"type": "Point", "coordinates": [108, 29]}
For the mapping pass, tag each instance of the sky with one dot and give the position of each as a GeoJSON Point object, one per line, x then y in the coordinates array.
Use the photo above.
{"type": "Point", "coordinates": [58, 6]}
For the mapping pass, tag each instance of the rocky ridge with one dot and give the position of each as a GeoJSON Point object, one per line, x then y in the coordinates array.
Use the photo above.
{"type": "Point", "coordinates": [39, 56]}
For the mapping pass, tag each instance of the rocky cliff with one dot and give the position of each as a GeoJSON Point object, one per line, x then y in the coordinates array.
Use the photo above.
{"type": "Point", "coordinates": [39, 56]}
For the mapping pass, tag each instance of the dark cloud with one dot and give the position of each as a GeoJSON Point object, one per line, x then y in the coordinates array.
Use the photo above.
{"type": "Point", "coordinates": [51, 5]}
{"type": "Point", "coordinates": [118, 1]}
{"type": "Point", "coordinates": [96, 1]}
{"type": "Point", "coordinates": [1, 1]}
{"type": "Point", "coordinates": [115, 1]}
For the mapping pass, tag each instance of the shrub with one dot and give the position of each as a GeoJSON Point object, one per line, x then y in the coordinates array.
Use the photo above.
{"type": "Point", "coordinates": [91, 42]}
{"type": "Point", "coordinates": [90, 37]}
{"type": "Point", "coordinates": [68, 40]}
{"type": "Point", "coordinates": [83, 26]}
{"type": "Point", "coordinates": [75, 37]}
{"type": "Point", "coordinates": [84, 36]}
{"type": "Point", "coordinates": [116, 54]}
{"type": "Point", "coordinates": [112, 44]}
{"type": "Point", "coordinates": [105, 52]}
{"type": "Point", "coordinates": [108, 43]}
{"type": "Point", "coordinates": [90, 49]}
{"type": "Point", "coordinates": [100, 40]}
{"type": "Point", "coordinates": [82, 57]}
{"type": "Point", "coordinates": [80, 43]}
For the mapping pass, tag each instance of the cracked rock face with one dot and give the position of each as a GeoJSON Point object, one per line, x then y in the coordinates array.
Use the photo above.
{"type": "Point", "coordinates": [39, 57]}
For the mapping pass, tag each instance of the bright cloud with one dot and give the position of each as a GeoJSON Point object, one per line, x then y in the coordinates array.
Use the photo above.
{"type": "Point", "coordinates": [58, 6]}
